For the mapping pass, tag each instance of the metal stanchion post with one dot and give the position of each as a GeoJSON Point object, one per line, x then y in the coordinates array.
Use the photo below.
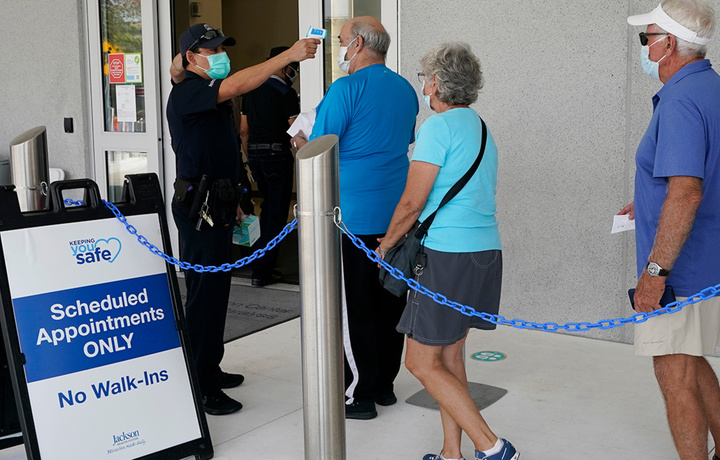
{"type": "Point", "coordinates": [320, 302]}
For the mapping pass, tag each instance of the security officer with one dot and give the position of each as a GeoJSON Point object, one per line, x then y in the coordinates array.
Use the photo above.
{"type": "Point", "coordinates": [205, 202]}
{"type": "Point", "coordinates": [267, 112]}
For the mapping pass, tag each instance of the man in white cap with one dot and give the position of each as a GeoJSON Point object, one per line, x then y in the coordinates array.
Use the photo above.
{"type": "Point", "coordinates": [677, 212]}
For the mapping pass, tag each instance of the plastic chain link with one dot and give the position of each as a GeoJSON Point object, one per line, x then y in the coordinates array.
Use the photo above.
{"type": "Point", "coordinates": [413, 284]}
{"type": "Point", "coordinates": [518, 323]}
{"type": "Point", "coordinates": [185, 265]}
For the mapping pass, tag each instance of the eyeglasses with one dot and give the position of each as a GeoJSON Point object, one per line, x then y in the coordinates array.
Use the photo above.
{"type": "Point", "coordinates": [209, 35]}
{"type": "Point", "coordinates": [421, 77]}
{"type": "Point", "coordinates": [644, 36]}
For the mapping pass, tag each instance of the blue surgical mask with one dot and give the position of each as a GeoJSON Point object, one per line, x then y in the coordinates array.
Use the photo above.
{"type": "Point", "coordinates": [219, 65]}
{"type": "Point", "coordinates": [650, 67]}
{"type": "Point", "coordinates": [426, 100]}
{"type": "Point", "coordinates": [426, 97]}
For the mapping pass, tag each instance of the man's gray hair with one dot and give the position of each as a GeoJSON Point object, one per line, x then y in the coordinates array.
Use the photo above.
{"type": "Point", "coordinates": [458, 72]}
{"type": "Point", "coordinates": [377, 40]}
{"type": "Point", "coordinates": [696, 15]}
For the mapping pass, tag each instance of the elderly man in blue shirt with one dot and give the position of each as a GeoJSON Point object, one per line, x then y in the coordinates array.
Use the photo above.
{"type": "Point", "coordinates": [677, 212]}
{"type": "Point", "coordinates": [372, 111]}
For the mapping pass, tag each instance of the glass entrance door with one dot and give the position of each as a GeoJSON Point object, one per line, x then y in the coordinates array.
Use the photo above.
{"type": "Point", "coordinates": [125, 97]}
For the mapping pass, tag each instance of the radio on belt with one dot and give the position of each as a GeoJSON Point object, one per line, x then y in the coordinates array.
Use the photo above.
{"type": "Point", "coordinates": [316, 32]}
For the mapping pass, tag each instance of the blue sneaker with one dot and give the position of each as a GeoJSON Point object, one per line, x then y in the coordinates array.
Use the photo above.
{"type": "Point", "coordinates": [436, 457]}
{"type": "Point", "coordinates": [507, 452]}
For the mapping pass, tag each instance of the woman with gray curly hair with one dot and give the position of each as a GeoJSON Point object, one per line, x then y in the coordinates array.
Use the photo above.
{"type": "Point", "coordinates": [462, 246]}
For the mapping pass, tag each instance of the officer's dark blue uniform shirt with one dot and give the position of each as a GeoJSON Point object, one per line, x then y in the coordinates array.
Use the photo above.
{"type": "Point", "coordinates": [203, 132]}
{"type": "Point", "coordinates": [268, 109]}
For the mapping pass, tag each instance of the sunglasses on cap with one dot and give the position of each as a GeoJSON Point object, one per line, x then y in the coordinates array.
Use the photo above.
{"type": "Point", "coordinates": [644, 36]}
{"type": "Point", "coordinates": [209, 35]}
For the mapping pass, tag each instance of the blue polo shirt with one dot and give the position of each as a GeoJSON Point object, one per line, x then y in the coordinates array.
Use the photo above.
{"type": "Point", "coordinates": [683, 139]}
{"type": "Point", "coordinates": [467, 223]}
{"type": "Point", "coordinates": [373, 114]}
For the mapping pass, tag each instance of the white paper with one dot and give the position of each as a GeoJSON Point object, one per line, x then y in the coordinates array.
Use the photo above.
{"type": "Point", "coordinates": [126, 103]}
{"type": "Point", "coordinates": [304, 122]}
{"type": "Point", "coordinates": [622, 224]}
{"type": "Point", "coordinates": [133, 68]}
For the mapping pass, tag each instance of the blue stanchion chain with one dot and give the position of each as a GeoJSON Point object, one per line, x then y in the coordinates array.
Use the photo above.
{"type": "Point", "coordinates": [640, 317]}
{"type": "Point", "coordinates": [186, 265]}
{"type": "Point", "coordinates": [637, 318]}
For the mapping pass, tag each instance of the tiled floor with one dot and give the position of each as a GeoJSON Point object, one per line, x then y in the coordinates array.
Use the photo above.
{"type": "Point", "coordinates": [568, 398]}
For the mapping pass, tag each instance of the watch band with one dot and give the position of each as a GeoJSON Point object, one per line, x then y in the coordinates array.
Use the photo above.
{"type": "Point", "coordinates": [655, 269]}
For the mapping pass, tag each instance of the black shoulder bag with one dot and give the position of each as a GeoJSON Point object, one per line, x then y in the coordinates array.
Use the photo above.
{"type": "Point", "coordinates": [408, 255]}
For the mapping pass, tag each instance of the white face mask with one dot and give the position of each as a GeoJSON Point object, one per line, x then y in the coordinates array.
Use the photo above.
{"type": "Point", "coordinates": [292, 76]}
{"type": "Point", "coordinates": [650, 67]}
{"type": "Point", "coordinates": [345, 65]}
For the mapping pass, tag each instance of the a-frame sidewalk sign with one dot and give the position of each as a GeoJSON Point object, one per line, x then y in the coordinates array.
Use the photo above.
{"type": "Point", "coordinates": [94, 331]}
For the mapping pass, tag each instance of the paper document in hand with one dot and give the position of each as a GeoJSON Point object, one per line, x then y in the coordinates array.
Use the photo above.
{"type": "Point", "coordinates": [304, 122]}
{"type": "Point", "coordinates": [622, 224]}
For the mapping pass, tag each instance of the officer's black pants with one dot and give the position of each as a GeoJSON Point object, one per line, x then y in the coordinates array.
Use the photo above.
{"type": "Point", "coordinates": [207, 294]}
{"type": "Point", "coordinates": [273, 173]}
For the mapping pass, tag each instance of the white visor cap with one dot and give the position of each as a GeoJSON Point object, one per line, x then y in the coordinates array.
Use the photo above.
{"type": "Point", "coordinates": [660, 17]}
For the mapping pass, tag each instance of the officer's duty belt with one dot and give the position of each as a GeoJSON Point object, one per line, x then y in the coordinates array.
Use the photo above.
{"type": "Point", "coordinates": [277, 147]}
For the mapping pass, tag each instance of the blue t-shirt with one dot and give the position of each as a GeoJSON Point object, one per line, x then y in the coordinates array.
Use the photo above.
{"type": "Point", "coordinates": [683, 139]}
{"type": "Point", "coordinates": [467, 223]}
{"type": "Point", "coordinates": [373, 113]}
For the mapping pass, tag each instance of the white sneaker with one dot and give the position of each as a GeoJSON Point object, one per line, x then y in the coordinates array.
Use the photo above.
{"type": "Point", "coordinates": [437, 457]}
{"type": "Point", "coordinates": [507, 452]}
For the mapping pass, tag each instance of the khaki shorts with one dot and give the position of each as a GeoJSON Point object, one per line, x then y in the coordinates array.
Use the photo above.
{"type": "Point", "coordinates": [694, 330]}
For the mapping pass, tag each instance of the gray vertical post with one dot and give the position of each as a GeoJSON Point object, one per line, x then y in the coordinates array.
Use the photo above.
{"type": "Point", "coordinates": [320, 302]}
{"type": "Point", "coordinates": [29, 169]}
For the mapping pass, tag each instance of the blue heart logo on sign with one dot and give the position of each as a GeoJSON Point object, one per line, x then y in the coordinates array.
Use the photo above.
{"type": "Point", "coordinates": [111, 244]}
{"type": "Point", "coordinates": [95, 250]}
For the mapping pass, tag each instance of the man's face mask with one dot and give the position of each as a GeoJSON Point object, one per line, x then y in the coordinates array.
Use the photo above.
{"type": "Point", "coordinates": [219, 65]}
{"type": "Point", "coordinates": [345, 65]}
{"type": "Point", "coordinates": [650, 67]}
{"type": "Point", "coordinates": [291, 74]}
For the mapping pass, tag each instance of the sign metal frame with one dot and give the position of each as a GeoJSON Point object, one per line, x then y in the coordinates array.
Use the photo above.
{"type": "Point", "coordinates": [142, 195]}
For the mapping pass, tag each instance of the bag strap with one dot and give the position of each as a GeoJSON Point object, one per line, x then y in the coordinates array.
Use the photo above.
{"type": "Point", "coordinates": [455, 189]}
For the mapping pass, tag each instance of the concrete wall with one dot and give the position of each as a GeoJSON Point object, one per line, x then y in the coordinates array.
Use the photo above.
{"type": "Point", "coordinates": [43, 79]}
{"type": "Point", "coordinates": [567, 104]}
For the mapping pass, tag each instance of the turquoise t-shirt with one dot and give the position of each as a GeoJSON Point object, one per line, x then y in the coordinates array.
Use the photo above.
{"type": "Point", "coordinates": [467, 223]}
{"type": "Point", "coordinates": [373, 113]}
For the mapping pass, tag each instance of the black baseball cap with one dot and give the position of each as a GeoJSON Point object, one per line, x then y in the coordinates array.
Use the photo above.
{"type": "Point", "coordinates": [203, 36]}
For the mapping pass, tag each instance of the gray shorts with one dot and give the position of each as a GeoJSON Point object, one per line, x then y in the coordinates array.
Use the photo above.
{"type": "Point", "coordinates": [469, 278]}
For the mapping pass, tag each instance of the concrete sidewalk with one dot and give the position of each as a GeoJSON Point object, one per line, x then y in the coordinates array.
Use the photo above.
{"type": "Point", "coordinates": [568, 398]}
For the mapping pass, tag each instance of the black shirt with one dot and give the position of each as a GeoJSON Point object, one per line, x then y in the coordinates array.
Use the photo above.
{"type": "Point", "coordinates": [203, 132]}
{"type": "Point", "coordinates": [268, 109]}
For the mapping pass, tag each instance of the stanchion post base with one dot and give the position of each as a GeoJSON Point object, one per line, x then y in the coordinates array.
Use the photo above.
{"type": "Point", "coordinates": [483, 396]}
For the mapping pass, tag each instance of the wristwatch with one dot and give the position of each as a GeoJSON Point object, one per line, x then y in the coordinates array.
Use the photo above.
{"type": "Point", "coordinates": [654, 269]}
